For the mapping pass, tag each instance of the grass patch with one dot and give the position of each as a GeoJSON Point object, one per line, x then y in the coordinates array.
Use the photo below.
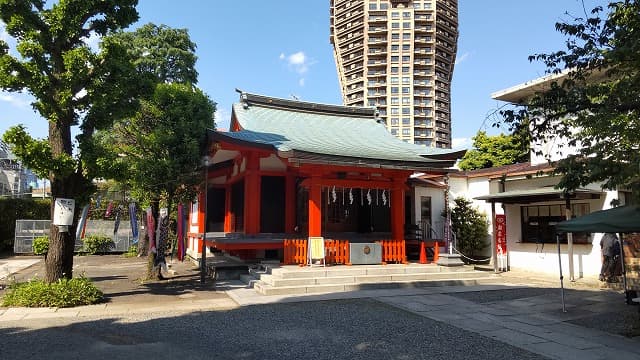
{"type": "Point", "coordinates": [62, 293]}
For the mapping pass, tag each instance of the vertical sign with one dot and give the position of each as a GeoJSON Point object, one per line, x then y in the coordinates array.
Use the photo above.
{"type": "Point", "coordinates": [501, 240]}
{"type": "Point", "coordinates": [501, 234]}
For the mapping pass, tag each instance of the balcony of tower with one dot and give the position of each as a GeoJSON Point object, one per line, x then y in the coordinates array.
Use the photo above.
{"type": "Point", "coordinates": [345, 50]}
{"type": "Point", "coordinates": [374, 19]}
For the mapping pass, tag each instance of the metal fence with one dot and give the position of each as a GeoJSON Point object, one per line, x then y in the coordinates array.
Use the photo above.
{"type": "Point", "coordinates": [27, 230]}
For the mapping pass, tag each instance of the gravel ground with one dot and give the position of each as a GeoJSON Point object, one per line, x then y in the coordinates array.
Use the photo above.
{"type": "Point", "coordinates": [345, 329]}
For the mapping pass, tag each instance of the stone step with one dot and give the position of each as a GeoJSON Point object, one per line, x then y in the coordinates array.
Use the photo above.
{"type": "Point", "coordinates": [266, 289]}
{"type": "Point", "coordinates": [367, 278]}
{"type": "Point", "coordinates": [296, 272]}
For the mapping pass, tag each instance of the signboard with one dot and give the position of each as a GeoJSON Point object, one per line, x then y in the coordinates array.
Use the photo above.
{"type": "Point", "coordinates": [501, 234]}
{"type": "Point", "coordinates": [501, 240]}
{"type": "Point", "coordinates": [63, 212]}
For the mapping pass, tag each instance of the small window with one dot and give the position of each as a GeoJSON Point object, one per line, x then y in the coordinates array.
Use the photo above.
{"type": "Point", "coordinates": [405, 90]}
{"type": "Point", "coordinates": [406, 36]}
{"type": "Point", "coordinates": [395, 15]}
{"type": "Point", "coordinates": [406, 58]}
{"type": "Point", "coordinates": [394, 89]}
{"type": "Point", "coordinates": [394, 79]}
{"type": "Point", "coordinates": [406, 132]}
{"type": "Point", "coordinates": [406, 15]}
{"type": "Point", "coordinates": [406, 25]}
{"type": "Point", "coordinates": [395, 36]}
{"type": "Point", "coordinates": [406, 121]}
{"type": "Point", "coordinates": [395, 48]}
{"type": "Point", "coordinates": [394, 111]}
{"type": "Point", "coordinates": [406, 111]}
{"type": "Point", "coordinates": [406, 47]}
{"type": "Point", "coordinates": [394, 132]}
{"type": "Point", "coordinates": [384, 6]}
{"type": "Point", "coordinates": [373, 6]}
{"type": "Point", "coordinates": [394, 69]}
{"type": "Point", "coordinates": [395, 25]}
{"type": "Point", "coordinates": [405, 69]}
{"type": "Point", "coordinates": [394, 59]}
{"type": "Point", "coordinates": [394, 121]}
{"type": "Point", "coordinates": [394, 101]}
{"type": "Point", "coordinates": [406, 80]}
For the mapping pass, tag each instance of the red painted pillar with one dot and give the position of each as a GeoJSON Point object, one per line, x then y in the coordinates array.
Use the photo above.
{"type": "Point", "coordinates": [201, 219]}
{"type": "Point", "coordinates": [290, 203]}
{"type": "Point", "coordinates": [227, 209]}
{"type": "Point", "coordinates": [315, 206]}
{"type": "Point", "coordinates": [252, 195]}
{"type": "Point", "coordinates": [397, 209]}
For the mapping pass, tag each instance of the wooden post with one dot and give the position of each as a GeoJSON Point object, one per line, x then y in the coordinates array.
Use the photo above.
{"type": "Point", "coordinates": [252, 195]}
{"type": "Point", "coordinates": [315, 206]}
{"type": "Point", "coordinates": [227, 208]}
{"type": "Point", "coordinates": [494, 250]}
{"type": "Point", "coordinates": [397, 209]}
{"type": "Point", "coordinates": [290, 204]}
{"type": "Point", "coordinates": [202, 226]}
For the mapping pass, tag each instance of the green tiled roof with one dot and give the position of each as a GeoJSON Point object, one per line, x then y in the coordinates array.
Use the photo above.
{"type": "Point", "coordinates": [315, 129]}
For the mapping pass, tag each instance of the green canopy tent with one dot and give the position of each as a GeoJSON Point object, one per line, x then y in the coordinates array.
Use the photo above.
{"type": "Point", "coordinates": [623, 219]}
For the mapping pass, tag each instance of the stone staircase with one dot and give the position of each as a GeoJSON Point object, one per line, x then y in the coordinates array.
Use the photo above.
{"type": "Point", "coordinates": [271, 279]}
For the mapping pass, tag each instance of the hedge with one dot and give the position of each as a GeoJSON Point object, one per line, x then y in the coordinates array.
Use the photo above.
{"type": "Point", "coordinates": [12, 209]}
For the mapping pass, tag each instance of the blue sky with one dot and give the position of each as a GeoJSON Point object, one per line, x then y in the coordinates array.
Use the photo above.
{"type": "Point", "coordinates": [281, 48]}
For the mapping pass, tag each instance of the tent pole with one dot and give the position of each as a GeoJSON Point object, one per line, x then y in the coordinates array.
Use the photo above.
{"type": "Point", "coordinates": [627, 298]}
{"type": "Point", "coordinates": [564, 310]}
{"type": "Point", "coordinates": [569, 238]}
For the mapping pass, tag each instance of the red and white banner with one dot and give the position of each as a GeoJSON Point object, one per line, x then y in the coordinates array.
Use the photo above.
{"type": "Point", "coordinates": [501, 234]}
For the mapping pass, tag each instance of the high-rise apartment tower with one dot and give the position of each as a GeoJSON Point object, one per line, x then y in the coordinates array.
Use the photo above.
{"type": "Point", "coordinates": [399, 56]}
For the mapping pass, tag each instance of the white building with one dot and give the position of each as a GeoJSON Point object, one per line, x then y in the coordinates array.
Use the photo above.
{"type": "Point", "coordinates": [15, 179]}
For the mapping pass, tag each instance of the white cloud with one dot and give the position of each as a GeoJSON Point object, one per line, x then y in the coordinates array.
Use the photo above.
{"type": "Point", "coordinates": [223, 119]}
{"type": "Point", "coordinates": [460, 143]}
{"type": "Point", "coordinates": [301, 82]}
{"type": "Point", "coordinates": [462, 58]}
{"type": "Point", "coordinates": [14, 100]}
{"type": "Point", "coordinates": [298, 61]}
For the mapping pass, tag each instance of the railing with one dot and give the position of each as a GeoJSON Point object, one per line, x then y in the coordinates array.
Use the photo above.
{"type": "Point", "coordinates": [393, 251]}
{"type": "Point", "coordinates": [336, 251]}
{"type": "Point", "coordinates": [295, 251]}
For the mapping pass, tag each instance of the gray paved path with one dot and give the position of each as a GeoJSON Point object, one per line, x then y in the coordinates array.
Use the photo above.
{"type": "Point", "coordinates": [507, 320]}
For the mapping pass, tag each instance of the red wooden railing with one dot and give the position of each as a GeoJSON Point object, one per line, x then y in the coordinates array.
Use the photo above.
{"type": "Point", "coordinates": [393, 251]}
{"type": "Point", "coordinates": [336, 251]}
{"type": "Point", "coordinates": [295, 251]}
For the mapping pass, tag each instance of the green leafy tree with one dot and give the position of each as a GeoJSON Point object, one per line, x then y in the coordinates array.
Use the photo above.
{"type": "Point", "coordinates": [498, 150]}
{"type": "Point", "coordinates": [157, 152]}
{"type": "Point", "coordinates": [72, 86]}
{"type": "Point", "coordinates": [470, 226]}
{"type": "Point", "coordinates": [595, 102]}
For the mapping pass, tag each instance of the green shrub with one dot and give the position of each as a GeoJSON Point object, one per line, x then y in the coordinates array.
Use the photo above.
{"type": "Point", "coordinates": [41, 245]}
{"type": "Point", "coordinates": [62, 293]}
{"type": "Point", "coordinates": [94, 244]}
{"type": "Point", "coordinates": [470, 226]}
{"type": "Point", "coordinates": [132, 252]}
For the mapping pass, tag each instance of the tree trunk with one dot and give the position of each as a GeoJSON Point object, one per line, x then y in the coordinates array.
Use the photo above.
{"type": "Point", "coordinates": [151, 272]}
{"type": "Point", "coordinates": [59, 261]}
